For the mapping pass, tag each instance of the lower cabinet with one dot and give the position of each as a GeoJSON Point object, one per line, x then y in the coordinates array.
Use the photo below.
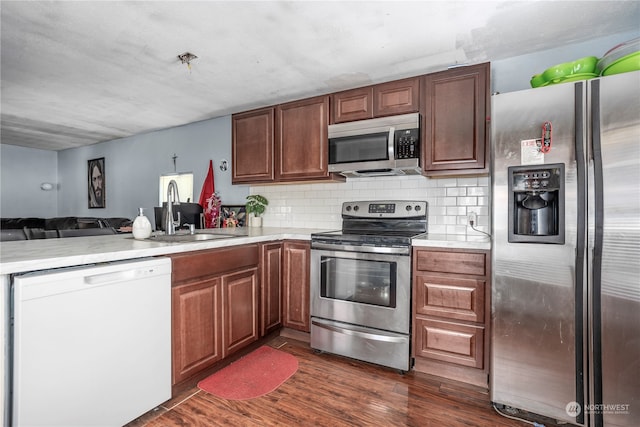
{"type": "Point", "coordinates": [225, 299]}
{"type": "Point", "coordinates": [295, 284]}
{"type": "Point", "coordinates": [240, 310]}
{"type": "Point", "coordinates": [214, 306]}
{"type": "Point", "coordinates": [197, 327]}
{"type": "Point", "coordinates": [451, 314]}
{"type": "Point", "coordinates": [270, 287]}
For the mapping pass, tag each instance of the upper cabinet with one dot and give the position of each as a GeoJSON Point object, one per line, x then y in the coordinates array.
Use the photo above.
{"type": "Point", "coordinates": [385, 99]}
{"type": "Point", "coordinates": [351, 105]}
{"type": "Point", "coordinates": [454, 107]}
{"type": "Point", "coordinates": [289, 142]}
{"type": "Point", "coordinates": [252, 146]}
{"type": "Point", "coordinates": [302, 145]}
{"type": "Point", "coordinates": [282, 144]}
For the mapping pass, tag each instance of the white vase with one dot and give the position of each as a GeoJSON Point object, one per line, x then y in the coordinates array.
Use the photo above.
{"type": "Point", "coordinates": [255, 221]}
{"type": "Point", "coordinates": [141, 228]}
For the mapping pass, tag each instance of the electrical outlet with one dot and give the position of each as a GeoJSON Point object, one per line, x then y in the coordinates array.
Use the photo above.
{"type": "Point", "coordinates": [472, 218]}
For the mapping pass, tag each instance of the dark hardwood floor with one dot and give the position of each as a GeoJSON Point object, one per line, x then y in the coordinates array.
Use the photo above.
{"type": "Point", "coordinates": [329, 390]}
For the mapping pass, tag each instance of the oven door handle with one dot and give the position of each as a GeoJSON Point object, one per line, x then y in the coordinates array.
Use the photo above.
{"type": "Point", "coordinates": [368, 249]}
{"type": "Point", "coordinates": [367, 335]}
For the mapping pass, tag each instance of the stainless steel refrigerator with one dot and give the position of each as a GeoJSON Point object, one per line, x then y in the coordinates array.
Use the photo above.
{"type": "Point", "coordinates": [566, 251]}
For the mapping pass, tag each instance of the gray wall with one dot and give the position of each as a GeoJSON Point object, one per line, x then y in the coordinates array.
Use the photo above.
{"type": "Point", "coordinates": [22, 170]}
{"type": "Point", "coordinates": [134, 164]}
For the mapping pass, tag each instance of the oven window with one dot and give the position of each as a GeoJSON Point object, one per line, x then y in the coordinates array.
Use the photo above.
{"type": "Point", "coordinates": [359, 148]}
{"type": "Point", "coordinates": [361, 281]}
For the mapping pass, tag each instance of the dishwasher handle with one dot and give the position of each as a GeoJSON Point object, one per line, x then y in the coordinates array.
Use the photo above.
{"type": "Point", "coordinates": [123, 275]}
{"type": "Point", "coordinates": [113, 277]}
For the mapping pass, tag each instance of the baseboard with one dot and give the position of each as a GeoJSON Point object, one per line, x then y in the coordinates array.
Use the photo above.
{"type": "Point", "coordinates": [295, 334]}
{"type": "Point", "coordinates": [464, 374]}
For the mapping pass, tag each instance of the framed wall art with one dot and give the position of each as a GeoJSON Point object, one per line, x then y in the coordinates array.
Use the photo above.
{"type": "Point", "coordinates": [232, 216]}
{"type": "Point", "coordinates": [96, 183]}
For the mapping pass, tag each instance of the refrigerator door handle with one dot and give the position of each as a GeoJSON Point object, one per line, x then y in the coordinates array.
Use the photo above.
{"type": "Point", "coordinates": [596, 268]}
{"type": "Point", "coordinates": [581, 159]}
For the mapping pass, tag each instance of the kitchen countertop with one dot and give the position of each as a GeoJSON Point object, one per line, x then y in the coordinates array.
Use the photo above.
{"type": "Point", "coordinates": [453, 241]}
{"type": "Point", "coordinates": [32, 255]}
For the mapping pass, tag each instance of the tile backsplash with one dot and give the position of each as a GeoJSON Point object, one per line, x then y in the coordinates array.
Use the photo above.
{"type": "Point", "coordinates": [319, 205]}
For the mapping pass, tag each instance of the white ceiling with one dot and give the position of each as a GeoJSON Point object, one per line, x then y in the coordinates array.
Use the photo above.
{"type": "Point", "coordinates": [76, 73]}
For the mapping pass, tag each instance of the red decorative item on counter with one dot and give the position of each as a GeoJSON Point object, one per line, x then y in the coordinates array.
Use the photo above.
{"type": "Point", "coordinates": [209, 200]}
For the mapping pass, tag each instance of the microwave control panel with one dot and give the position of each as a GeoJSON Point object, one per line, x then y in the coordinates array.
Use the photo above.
{"type": "Point", "coordinates": [407, 142]}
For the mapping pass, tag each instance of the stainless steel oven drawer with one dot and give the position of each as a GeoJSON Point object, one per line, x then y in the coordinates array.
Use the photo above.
{"type": "Point", "coordinates": [370, 345]}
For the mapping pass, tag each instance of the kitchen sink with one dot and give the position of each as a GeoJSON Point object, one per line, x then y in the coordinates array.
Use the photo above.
{"type": "Point", "coordinates": [185, 238]}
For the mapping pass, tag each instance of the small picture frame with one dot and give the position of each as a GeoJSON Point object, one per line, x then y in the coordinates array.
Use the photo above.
{"type": "Point", "coordinates": [232, 216]}
{"type": "Point", "coordinates": [96, 183]}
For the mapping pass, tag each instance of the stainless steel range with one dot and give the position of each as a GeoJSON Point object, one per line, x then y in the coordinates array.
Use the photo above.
{"type": "Point", "coordinates": [361, 282]}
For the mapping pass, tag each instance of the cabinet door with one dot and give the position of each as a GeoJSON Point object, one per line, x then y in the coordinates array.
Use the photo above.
{"type": "Point", "coordinates": [252, 146]}
{"type": "Point", "coordinates": [240, 308]}
{"type": "Point", "coordinates": [296, 286]}
{"type": "Point", "coordinates": [196, 319]}
{"type": "Point", "coordinates": [302, 146]}
{"type": "Point", "coordinates": [397, 97]}
{"type": "Point", "coordinates": [351, 105]}
{"type": "Point", "coordinates": [270, 287]}
{"type": "Point", "coordinates": [454, 108]}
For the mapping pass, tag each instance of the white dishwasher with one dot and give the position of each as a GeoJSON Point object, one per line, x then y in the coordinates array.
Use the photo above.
{"type": "Point", "coordinates": [91, 344]}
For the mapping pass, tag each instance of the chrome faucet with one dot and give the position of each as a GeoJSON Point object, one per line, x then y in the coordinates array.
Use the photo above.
{"type": "Point", "coordinates": [169, 223]}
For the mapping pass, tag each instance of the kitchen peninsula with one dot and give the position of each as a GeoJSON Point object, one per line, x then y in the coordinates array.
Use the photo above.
{"type": "Point", "coordinates": [32, 255]}
{"type": "Point", "coordinates": [201, 270]}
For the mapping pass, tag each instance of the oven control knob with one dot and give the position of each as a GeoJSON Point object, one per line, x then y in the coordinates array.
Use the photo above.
{"type": "Point", "coordinates": [348, 208]}
{"type": "Point", "coordinates": [408, 208]}
{"type": "Point", "coordinates": [418, 208]}
{"type": "Point", "coordinates": [356, 208]}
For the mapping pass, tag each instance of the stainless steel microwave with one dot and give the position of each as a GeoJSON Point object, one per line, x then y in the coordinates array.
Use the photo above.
{"type": "Point", "coordinates": [376, 147]}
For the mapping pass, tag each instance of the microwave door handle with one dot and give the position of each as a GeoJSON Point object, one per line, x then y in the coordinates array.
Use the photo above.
{"type": "Point", "coordinates": [391, 145]}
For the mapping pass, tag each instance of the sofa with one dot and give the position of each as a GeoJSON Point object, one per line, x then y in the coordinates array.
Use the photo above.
{"type": "Point", "coordinates": [69, 226]}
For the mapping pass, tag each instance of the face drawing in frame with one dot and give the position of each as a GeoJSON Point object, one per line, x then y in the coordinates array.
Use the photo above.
{"type": "Point", "coordinates": [96, 182]}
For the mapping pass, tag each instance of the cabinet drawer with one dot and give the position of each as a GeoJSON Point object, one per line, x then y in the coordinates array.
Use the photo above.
{"type": "Point", "coordinates": [450, 342]}
{"type": "Point", "coordinates": [455, 298]}
{"type": "Point", "coordinates": [191, 265]}
{"type": "Point", "coordinates": [452, 262]}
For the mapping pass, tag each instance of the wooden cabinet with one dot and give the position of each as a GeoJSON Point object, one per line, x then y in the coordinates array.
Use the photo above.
{"type": "Point", "coordinates": [214, 306]}
{"type": "Point", "coordinates": [295, 282]}
{"type": "Point", "coordinates": [385, 99]}
{"type": "Point", "coordinates": [270, 287]}
{"type": "Point", "coordinates": [396, 97]}
{"type": "Point", "coordinates": [352, 105]}
{"type": "Point", "coordinates": [288, 142]}
{"type": "Point", "coordinates": [240, 310]}
{"type": "Point", "coordinates": [284, 143]}
{"type": "Point", "coordinates": [455, 128]}
{"type": "Point", "coordinates": [252, 146]}
{"type": "Point", "coordinates": [302, 145]}
{"type": "Point", "coordinates": [451, 314]}
{"type": "Point", "coordinates": [196, 325]}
